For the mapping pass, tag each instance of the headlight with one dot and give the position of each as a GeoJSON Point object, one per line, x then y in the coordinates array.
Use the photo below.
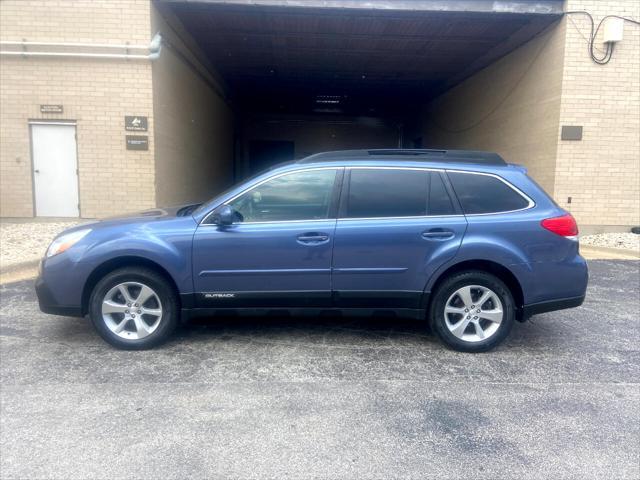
{"type": "Point", "coordinates": [66, 241]}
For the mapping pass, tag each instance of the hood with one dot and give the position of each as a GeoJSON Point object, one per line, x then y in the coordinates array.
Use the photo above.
{"type": "Point", "coordinates": [137, 220]}
{"type": "Point", "coordinates": [145, 216]}
{"type": "Point", "coordinates": [160, 212]}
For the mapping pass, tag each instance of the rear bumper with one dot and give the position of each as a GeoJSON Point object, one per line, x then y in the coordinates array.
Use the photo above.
{"type": "Point", "coordinates": [551, 305]}
{"type": "Point", "coordinates": [48, 304]}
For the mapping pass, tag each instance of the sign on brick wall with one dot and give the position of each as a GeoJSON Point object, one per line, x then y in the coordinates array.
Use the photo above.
{"type": "Point", "coordinates": [135, 123]}
{"type": "Point", "coordinates": [51, 109]}
{"type": "Point", "coordinates": [571, 132]}
{"type": "Point", "coordinates": [137, 142]}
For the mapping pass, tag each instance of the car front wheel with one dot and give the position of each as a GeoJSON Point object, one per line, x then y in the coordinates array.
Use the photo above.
{"type": "Point", "coordinates": [472, 311]}
{"type": "Point", "coordinates": [134, 308]}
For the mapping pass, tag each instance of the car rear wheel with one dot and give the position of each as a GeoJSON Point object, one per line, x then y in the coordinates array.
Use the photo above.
{"type": "Point", "coordinates": [472, 311]}
{"type": "Point", "coordinates": [134, 308]}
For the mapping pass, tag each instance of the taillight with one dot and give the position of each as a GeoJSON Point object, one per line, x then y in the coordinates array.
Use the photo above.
{"type": "Point", "coordinates": [564, 226]}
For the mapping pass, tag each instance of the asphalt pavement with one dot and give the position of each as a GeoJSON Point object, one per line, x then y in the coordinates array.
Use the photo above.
{"type": "Point", "coordinates": [325, 397]}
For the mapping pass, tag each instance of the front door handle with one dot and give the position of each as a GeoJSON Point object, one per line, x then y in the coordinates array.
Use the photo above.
{"type": "Point", "coordinates": [438, 234]}
{"type": "Point", "coordinates": [313, 238]}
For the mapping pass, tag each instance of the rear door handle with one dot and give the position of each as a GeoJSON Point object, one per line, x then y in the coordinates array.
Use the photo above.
{"type": "Point", "coordinates": [312, 238]}
{"type": "Point", "coordinates": [438, 234]}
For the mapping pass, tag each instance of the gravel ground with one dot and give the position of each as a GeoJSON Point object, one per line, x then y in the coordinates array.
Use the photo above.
{"type": "Point", "coordinates": [628, 241]}
{"type": "Point", "coordinates": [332, 398]}
{"type": "Point", "coordinates": [26, 241]}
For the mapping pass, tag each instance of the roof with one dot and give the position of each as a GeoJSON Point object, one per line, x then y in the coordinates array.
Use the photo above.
{"type": "Point", "coordinates": [390, 55]}
{"type": "Point", "coordinates": [443, 156]}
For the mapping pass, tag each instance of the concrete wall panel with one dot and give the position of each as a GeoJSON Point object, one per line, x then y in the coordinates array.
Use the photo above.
{"type": "Point", "coordinates": [511, 107]}
{"type": "Point", "coordinates": [194, 127]}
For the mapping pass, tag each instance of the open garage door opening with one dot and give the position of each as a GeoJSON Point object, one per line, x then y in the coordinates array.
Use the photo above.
{"type": "Point", "coordinates": [322, 76]}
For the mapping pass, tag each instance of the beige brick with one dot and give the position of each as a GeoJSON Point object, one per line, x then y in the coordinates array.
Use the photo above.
{"type": "Point", "coordinates": [94, 93]}
{"type": "Point", "coordinates": [606, 101]}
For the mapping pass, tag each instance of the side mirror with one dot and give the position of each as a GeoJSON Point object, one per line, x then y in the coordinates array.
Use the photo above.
{"type": "Point", "coordinates": [224, 215]}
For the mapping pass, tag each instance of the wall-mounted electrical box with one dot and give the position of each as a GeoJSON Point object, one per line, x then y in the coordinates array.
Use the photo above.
{"type": "Point", "coordinates": [613, 28]}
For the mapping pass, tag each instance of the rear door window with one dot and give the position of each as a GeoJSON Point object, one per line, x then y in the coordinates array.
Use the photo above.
{"type": "Point", "coordinates": [439, 199]}
{"type": "Point", "coordinates": [485, 194]}
{"type": "Point", "coordinates": [376, 193]}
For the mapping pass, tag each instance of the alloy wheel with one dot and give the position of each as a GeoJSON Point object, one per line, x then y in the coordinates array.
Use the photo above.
{"type": "Point", "coordinates": [132, 310]}
{"type": "Point", "coordinates": [473, 313]}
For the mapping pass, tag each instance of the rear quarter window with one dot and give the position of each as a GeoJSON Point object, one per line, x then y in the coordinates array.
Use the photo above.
{"type": "Point", "coordinates": [485, 194]}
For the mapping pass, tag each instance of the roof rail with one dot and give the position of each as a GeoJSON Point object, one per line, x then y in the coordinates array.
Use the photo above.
{"type": "Point", "coordinates": [464, 156]}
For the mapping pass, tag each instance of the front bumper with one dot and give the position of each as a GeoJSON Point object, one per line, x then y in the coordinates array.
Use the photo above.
{"type": "Point", "coordinates": [48, 304]}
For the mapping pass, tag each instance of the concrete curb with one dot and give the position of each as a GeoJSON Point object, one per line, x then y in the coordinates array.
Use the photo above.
{"type": "Point", "coordinates": [14, 267]}
{"type": "Point", "coordinates": [610, 251]}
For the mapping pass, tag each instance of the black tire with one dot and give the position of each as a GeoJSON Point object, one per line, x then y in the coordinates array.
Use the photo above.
{"type": "Point", "coordinates": [165, 293]}
{"type": "Point", "coordinates": [454, 283]}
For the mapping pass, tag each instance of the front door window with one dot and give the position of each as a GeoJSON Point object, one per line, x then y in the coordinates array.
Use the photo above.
{"type": "Point", "coordinates": [304, 195]}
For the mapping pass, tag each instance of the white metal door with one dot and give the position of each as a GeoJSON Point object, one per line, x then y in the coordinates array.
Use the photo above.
{"type": "Point", "coordinates": [55, 170]}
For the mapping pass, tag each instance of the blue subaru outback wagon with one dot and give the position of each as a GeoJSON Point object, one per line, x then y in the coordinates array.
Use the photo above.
{"type": "Point", "coordinates": [460, 239]}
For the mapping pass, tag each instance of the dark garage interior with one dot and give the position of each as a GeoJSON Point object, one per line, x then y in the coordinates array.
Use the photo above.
{"type": "Point", "coordinates": [307, 78]}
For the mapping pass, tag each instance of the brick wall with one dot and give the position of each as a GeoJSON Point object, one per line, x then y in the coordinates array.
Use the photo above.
{"type": "Point", "coordinates": [96, 93]}
{"type": "Point", "coordinates": [602, 171]}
